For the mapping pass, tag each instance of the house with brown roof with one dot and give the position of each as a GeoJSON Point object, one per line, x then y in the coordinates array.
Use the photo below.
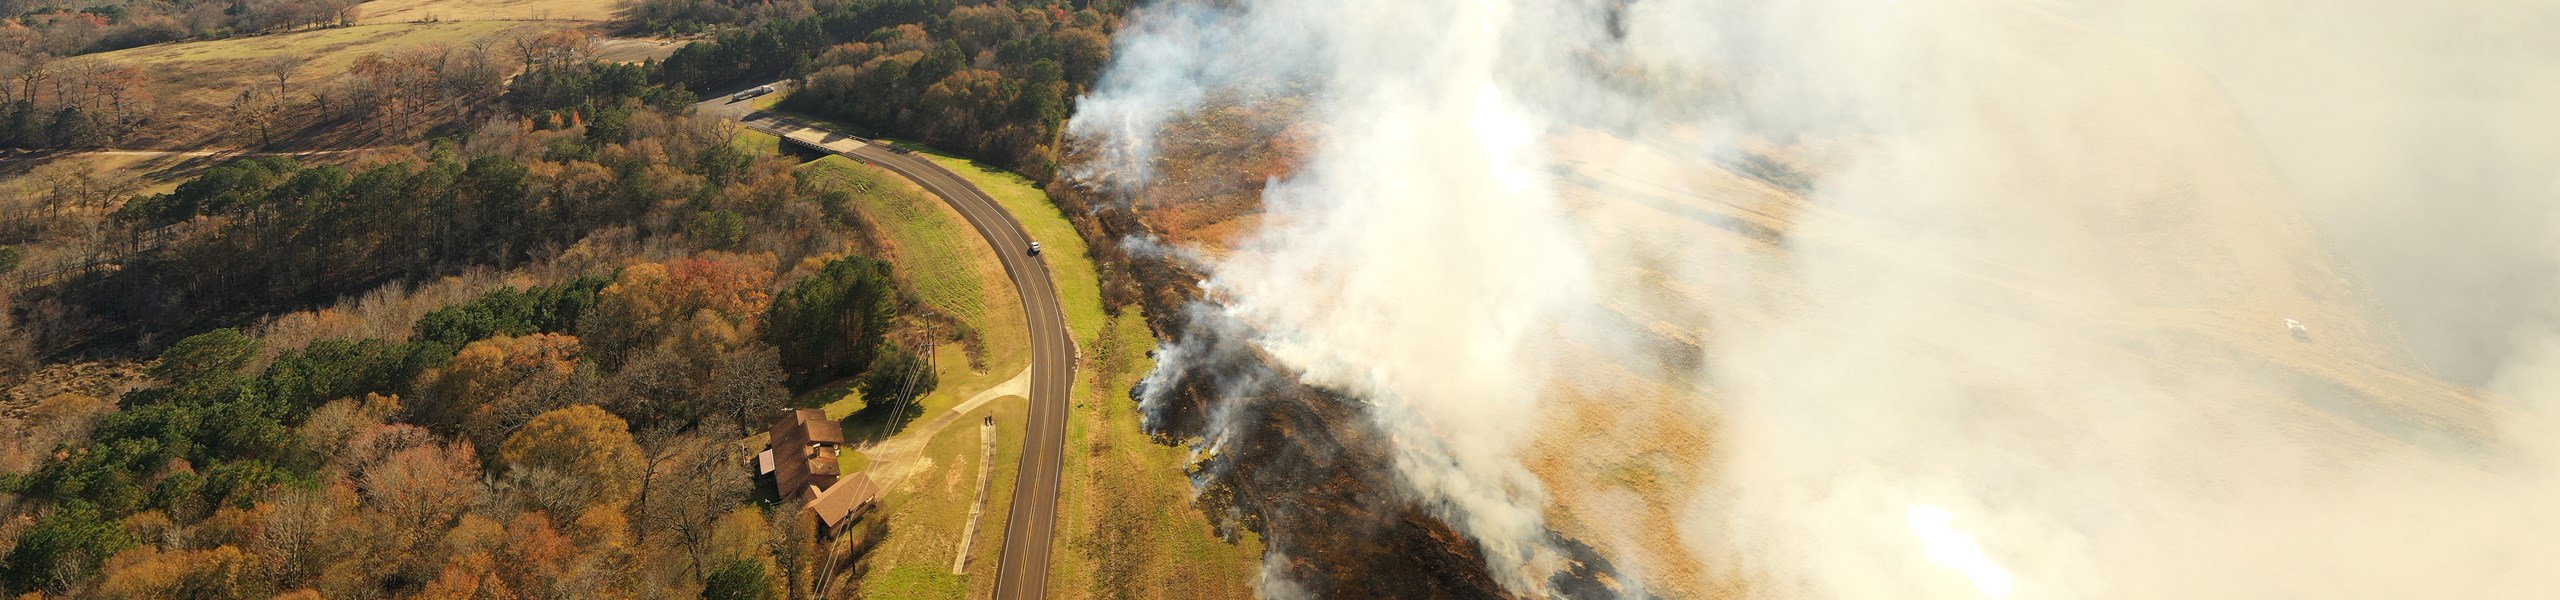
{"type": "Point", "coordinates": [799, 461]}
{"type": "Point", "coordinates": [800, 457]}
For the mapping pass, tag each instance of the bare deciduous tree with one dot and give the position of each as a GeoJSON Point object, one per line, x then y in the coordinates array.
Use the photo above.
{"type": "Point", "coordinates": [697, 482]}
{"type": "Point", "coordinates": [258, 109]}
{"type": "Point", "coordinates": [80, 185]}
{"type": "Point", "coordinates": [282, 67]}
{"type": "Point", "coordinates": [32, 74]}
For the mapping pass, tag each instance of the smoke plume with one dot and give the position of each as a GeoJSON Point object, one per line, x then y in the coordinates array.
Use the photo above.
{"type": "Point", "coordinates": [1971, 298]}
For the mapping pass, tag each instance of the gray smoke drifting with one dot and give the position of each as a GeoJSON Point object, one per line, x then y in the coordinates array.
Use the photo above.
{"type": "Point", "coordinates": [2416, 132]}
{"type": "Point", "coordinates": [1973, 298]}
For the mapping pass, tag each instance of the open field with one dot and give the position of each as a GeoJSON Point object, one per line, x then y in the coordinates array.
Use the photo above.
{"type": "Point", "coordinates": [405, 11]}
{"type": "Point", "coordinates": [2153, 301]}
{"type": "Point", "coordinates": [214, 64]}
{"type": "Point", "coordinates": [927, 512]}
{"type": "Point", "coordinates": [632, 50]}
{"type": "Point", "coordinates": [192, 81]}
{"type": "Point", "coordinates": [151, 174]}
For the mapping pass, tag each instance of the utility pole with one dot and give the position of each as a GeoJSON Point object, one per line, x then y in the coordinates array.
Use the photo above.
{"type": "Point", "coordinates": [906, 389]}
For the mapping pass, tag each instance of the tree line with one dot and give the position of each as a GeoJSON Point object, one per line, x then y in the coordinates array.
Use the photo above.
{"type": "Point", "coordinates": [526, 400]}
{"type": "Point", "coordinates": [69, 104]}
{"type": "Point", "coordinates": [264, 234]}
{"type": "Point", "coordinates": [990, 80]}
{"type": "Point", "coordinates": [685, 17]}
{"type": "Point", "coordinates": [572, 437]}
{"type": "Point", "coordinates": [33, 27]}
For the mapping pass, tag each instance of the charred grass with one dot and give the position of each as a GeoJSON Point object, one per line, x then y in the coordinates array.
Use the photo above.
{"type": "Point", "coordinates": [1128, 523]}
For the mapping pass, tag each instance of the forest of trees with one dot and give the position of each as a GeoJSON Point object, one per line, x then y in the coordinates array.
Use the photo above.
{"type": "Point", "coordinates": [504, 193]}
{"type": "Point", "coordinates": [991, 80]}
{"type": "Point", "coordinates": [680, 17]}
{"type": "Point", "coordinates": [519, 407]}
{"type": "Point", "coordinates": [571, 434]}
{"type": "Point", "coordinates": [572, 437]}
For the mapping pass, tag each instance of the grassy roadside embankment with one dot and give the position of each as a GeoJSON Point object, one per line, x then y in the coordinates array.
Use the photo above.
{"type": "Point", "coordinates": [758, 142]}
{"type": "Point", "coordinates": [1126, 524]}
{"type": "Point", "coordinates": [947, 266]}
{"type": "Point", "coordinates": [927, 514]}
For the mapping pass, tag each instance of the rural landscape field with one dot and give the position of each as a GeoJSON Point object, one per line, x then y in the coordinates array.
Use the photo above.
{"type": "Point", "coordinates": [887, 299]}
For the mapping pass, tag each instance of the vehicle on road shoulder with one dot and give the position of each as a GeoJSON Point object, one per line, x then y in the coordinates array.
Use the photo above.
{"type": "Point", "coordinates": [1035, 248]}
{"type": "Point", "coordinates": [751, 93]}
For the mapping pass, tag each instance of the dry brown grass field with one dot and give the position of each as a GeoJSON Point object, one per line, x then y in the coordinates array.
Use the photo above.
{"type": "Point", "coordinates": [405, 11]}
{"type": "Point", "coordinates": [193, 81]}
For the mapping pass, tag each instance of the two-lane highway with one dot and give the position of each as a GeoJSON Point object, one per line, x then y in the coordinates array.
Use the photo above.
{"type": "Point", "coordinates": [1023, 572]}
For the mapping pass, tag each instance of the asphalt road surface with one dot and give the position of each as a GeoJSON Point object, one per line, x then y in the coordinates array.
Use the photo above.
{"type": "Point", "coordinates": [1023, 572]}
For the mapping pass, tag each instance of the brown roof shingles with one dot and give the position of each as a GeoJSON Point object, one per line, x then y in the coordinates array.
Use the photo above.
{"type": "Point", "coordinates": [796, 464]}
{"type": "Point", "coordinates": [838, 503]}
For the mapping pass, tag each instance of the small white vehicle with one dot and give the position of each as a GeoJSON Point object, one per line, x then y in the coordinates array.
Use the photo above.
{"type": "Point", "coordinates": [2299, 332]}
{"type": "Point", "coordinates": [1035, 248]}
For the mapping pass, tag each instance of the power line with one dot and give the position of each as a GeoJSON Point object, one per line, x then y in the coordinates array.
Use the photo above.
{"type": "Point", "coordinates": [907, 388]}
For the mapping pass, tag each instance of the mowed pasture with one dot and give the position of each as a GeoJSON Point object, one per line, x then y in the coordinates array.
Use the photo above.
{"type": "Point", "coordinates": [192, 82]}
{"type": "Point", "coordinates": [331, 49]}
{"type": "Point", "coordinates": [407, 11]}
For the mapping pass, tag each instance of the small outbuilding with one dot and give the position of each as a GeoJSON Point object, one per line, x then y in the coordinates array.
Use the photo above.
{"type": "Point", "coordinates": [842, 504]}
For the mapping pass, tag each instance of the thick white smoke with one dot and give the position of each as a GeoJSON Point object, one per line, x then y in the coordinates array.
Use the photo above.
{"type": "Point", "coordinates": [2006, 317]}
{"type": "Point", "coordinates": [1413, 279]}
